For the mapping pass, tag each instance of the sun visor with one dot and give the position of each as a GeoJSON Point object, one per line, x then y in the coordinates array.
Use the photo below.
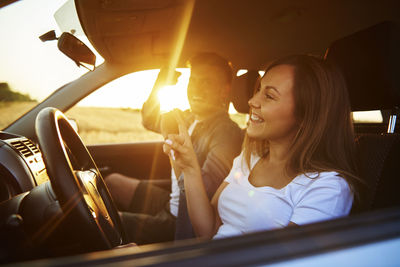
{"type": "Point", "coordinates": [133, 31]}
{"type": "Point", "coordinates": [67, 19]}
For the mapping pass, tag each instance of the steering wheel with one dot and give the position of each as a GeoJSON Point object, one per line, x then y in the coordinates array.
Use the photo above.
{"type": "Point", "coordinates": [77, 183]}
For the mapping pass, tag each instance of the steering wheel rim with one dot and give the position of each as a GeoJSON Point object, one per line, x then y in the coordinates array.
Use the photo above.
{"type": "Point", "coordinates": [76, 181]}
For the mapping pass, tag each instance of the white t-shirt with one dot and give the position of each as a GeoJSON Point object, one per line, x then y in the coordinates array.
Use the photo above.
{"type": "Point", "coordinates": [244, 208]}
{"type": "Point", "coordinates": [174, 201]}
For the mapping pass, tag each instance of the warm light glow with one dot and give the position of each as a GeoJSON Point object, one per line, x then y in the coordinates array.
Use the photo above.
{"type": "Point", "coordinates": [232, 109]}
{"type": "Point", "coordinates": [129, 91]}
{"type": "Point", "coordinates": [171, 97]}
{"type": "Point", "coordinates": [241, 72]}
{"type": "Point", "coordinates": [261, 72]}
{"type": "Point", "coordinates": [175, 96]}
{"type": "Point", "coordinates": [181, 35]}
{"type": "Point", "coordinates": [238, 175]}
{"type": "Point", "coordinates": [368, 116]}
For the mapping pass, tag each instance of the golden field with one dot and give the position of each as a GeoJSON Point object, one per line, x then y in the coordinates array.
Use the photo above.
{"type": "Point", "coordinates": [98, 125]}
{"type": "Point", "coordinates": [10, 111]}
{"type": "Point", "coordinates": [110, 125]}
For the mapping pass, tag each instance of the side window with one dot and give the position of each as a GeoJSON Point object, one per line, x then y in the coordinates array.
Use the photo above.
{"type": "Point", "coordinates": [373, 116]}
{"type": "Point", "coordinates": [112, 114]}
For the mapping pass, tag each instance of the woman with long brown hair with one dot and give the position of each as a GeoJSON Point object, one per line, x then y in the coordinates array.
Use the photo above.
{"type": "Point", "coordinates": [297, 163]}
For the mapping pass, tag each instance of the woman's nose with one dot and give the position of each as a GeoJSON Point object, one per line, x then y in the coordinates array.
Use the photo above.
{"type": "Point", "coordinates": [253, 102]}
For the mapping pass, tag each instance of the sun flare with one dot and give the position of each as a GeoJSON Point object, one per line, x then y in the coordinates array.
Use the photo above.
{"type": "Point", "coordinates": [175, 96]}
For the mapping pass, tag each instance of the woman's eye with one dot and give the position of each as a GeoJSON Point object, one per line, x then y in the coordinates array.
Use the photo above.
{"type": "Point", "coordinates": [268, 96]}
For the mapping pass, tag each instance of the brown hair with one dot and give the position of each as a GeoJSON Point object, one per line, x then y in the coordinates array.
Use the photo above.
{"type": "Point", "coordinates": [325, 137]}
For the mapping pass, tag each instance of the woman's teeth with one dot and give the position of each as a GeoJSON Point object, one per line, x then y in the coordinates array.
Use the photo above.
{"type": "Point", "coordinates": [256, 118]}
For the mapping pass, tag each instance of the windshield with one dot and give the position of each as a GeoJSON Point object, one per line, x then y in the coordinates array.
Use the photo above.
{"type": "Point", "coordinates": [31, 69]}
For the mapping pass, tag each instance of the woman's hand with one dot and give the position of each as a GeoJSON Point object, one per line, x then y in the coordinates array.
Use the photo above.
{"type": "Point", "coordinates": [180, 149]}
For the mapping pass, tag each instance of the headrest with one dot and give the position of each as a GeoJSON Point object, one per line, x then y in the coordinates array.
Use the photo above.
{"type": "Point", "coordinates": [370, 62]}
{"type": "Point", "coordinates": [242, 90]}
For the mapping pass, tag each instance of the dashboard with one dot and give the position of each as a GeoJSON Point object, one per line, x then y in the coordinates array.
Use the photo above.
{"type": "Point", "coordinates": [21, 165]}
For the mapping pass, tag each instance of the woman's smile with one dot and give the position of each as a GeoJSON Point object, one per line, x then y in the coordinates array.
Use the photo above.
{"type": "Point", "coordinates": [256, 118]}
{"type": "Point", "coordinates": [272, 106]}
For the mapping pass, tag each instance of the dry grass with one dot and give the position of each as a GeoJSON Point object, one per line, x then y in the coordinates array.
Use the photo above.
{"type": "Point", "coordinates": [99, 125]}
{"type": "Point", "coordinates": [10, 111]}
{"type": "Point", "coordinates": [110, 125]}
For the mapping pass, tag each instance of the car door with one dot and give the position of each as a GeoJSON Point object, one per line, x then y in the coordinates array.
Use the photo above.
{"type": "Point", "coordinates": [143, 160]}
{"type": "Point", "coordinates": [109, 123]}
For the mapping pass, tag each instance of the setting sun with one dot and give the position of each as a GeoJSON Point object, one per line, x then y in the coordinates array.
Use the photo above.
{"type": "Point", "coordinates": [131, 90]}
{"type": "Point", "coordinates": [175, 96]}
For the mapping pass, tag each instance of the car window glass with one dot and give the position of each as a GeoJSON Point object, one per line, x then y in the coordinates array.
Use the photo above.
{"type": "Point", "coordinates": [373, 116]}
{"type": "Point", "coordinates": [112, 114]}
{"type": "Point", "coordinates": [31, 69]}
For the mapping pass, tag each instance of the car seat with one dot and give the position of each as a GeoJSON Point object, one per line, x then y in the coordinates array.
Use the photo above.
{"type": "Point", "coordinates": [242, 90]}
{"type": "Point", "coordinates": [369, 60]}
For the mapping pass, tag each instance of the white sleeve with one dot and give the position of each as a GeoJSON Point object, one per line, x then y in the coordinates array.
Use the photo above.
{"type": "Point", "coordinates": [328, 197]}
{"type": "Point", "coordinates": [235, 167]}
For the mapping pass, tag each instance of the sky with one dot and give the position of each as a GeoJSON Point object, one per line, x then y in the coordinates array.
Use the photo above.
{"type": "Point", "coordinates": [38, 68]}
{"type": "Point", "coordinates": [26, 63]}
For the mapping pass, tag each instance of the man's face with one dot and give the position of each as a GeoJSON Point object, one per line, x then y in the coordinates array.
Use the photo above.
{"type": "Point", "coordinates": [207, 89]}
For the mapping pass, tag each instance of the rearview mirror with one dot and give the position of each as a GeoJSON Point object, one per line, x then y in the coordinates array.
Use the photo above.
{"type": "Point", "coordinates": [73, 48]}
{"type": "Point", "coordinates": [76, 50]}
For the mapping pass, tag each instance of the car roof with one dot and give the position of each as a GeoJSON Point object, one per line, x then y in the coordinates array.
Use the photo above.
{"type": "Point", "coordinates": [249, 33]}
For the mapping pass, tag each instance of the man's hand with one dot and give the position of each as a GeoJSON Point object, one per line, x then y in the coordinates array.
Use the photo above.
{"type": "Point", "coordinates": [151, 107]}
{"type": "Point", "coordinates": [167, 76]}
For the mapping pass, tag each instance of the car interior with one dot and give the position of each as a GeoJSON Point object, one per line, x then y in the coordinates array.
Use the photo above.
{"type": "Point", "coordinates": [373, 85]}
{"type": "Point", "coordinates": [39, 165]}
{"type": "Point", "coordinates": [368, 60]}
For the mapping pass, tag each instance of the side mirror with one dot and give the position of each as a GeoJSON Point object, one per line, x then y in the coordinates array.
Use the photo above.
{"type": "Point", "coordinates": [73, 48]}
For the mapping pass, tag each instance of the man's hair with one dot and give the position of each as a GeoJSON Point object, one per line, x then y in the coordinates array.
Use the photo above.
{"type": "Point", "coordinates": [212, 59]}
{"type": "Point", "coordinates": [325, 137]}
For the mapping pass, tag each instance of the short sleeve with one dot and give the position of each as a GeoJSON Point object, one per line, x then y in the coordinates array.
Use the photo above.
{"type": "Point", "coordinates": [236, 167]}
{"type": "Point", "coordinates": [327, 197]}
